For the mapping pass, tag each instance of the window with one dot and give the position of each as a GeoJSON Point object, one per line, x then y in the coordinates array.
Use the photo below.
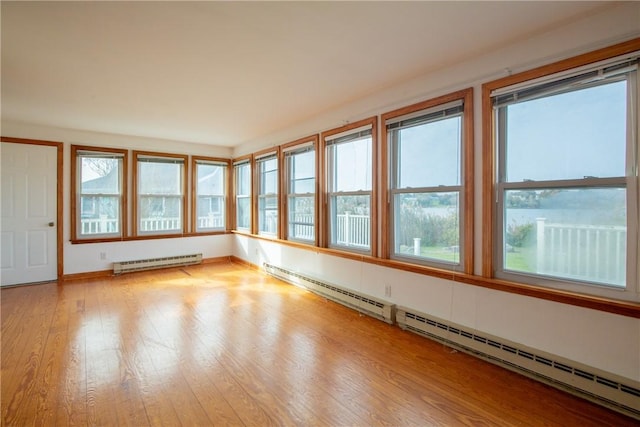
{"type": "Point", "coordinates": [350, 153]}
{"type": "Point", "coordinates": [210, 183]}
{"type": "Point", "coordinates": [267, 168]}
{"type": "Point", "coordinates": [427, 143]}
{"type": "Point", "coordinates": [566, 179]}
{"type": "Point", "coordinates": [242, 189]}
{"type": "Point", "coordinates": [300, 178]}
{"type": "Point", "coordinates": [99, 177]}
{"type": "Point", "coordinates": [160, 193]}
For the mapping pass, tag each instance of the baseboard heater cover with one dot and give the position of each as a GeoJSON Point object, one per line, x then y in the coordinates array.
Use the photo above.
{"type": "Point", "coordinates": [366, 304]}
{"type": "Point", "coordinates": [153, 263]}
{"type": "Point", "coordinates": [617, 393]}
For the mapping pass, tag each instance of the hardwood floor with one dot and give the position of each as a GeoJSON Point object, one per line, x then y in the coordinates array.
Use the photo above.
{"type": "Point", "coordinates": [221, 344]}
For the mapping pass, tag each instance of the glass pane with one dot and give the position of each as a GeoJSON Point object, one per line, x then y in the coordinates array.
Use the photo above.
{"type": "Point", "coordinates": [301, 218]}
{"type": "Point", "coordinates": [269, 176]}
{"type": "Point", "coordinates": [243, 179]}
{"type": "Point", "coordinates": [210, 179]}
{"type": "Point", "coordinates": [568, 136]}
{"type": "Point", "coordinates": [100, 175]}
{"type": "Point", "coordinates": [577, 234]}
{"type": "Point", "coordinates": [351, 167]}
{"type": "Point", "coordinates": [427, 226]}
{"type": "Point", "coordinates": [303, 186]}
{"type": "Point", "coordinates": [302, 170]}
{"type": "Point", "coordinates": [243, 214]}
{"type": "Point", "coordinates": [99, 215]}
{"type": "Point", "coordinates": [159, 178]}
{"type": "Point", "coordinates": [160, 213]}
{"type": "Point", "coordinates": [429, 154]}
{"type": "Point", "coordinates": [210, 212]}
{"type": "Point", "coordinates": [268, 215]}
{"type": "Point", "coordinates": [350, 221]}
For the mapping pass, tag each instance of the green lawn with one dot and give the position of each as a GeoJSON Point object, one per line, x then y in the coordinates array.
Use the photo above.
{"type": "Point", "coordinates": [522, 259]}
{"type": "Point", "coordinates": [435, 252]}
{"type": "Point", "coordinates": [519, 260]}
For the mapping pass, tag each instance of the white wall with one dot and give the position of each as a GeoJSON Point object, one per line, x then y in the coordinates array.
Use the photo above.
{"type": "Point", "coordinates": [605, 341]}
{"type": "Point", "coordinates": [88, 257]}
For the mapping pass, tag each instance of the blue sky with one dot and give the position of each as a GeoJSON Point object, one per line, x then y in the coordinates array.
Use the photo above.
{"type": "Point", "coordinates": [430, 154]}
{"type": "Point", "coordinates": [568, 136]}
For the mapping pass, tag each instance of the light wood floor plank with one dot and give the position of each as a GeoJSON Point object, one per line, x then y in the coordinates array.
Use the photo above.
{"type": "Point", "coordinates": [220, 344]}
{"type": "Point", "coordinates": [33, 333]}
{"type": "Point", "coordinates": [72, 398]}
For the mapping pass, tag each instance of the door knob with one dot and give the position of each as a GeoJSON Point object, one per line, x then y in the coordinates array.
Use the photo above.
{"type": "Point", "coordinates": [51, 224]}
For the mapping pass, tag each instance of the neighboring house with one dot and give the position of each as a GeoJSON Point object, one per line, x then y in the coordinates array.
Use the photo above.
{"type": "Point", "coordinates": [93, 202]}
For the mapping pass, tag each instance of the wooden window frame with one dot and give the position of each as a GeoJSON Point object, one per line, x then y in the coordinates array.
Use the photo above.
{"type": "Point", "coordinates": [234, 188]}
{"type": "Point", "coordinates": [75, 200]}
{"type": "Point", "coordinates": [255, 212]}
{"type": "Point", "coordinates": [185, 194]}
{"type": "Point", "coordinates": [467, 167]}
{"type": "Point", "coordinates": [324, 190]}
{"type": "Point", "coordinates": [489, 160]}
{"type": "Point", "coordinates": [284, 188]}
{"type": "Point", "coordinates": [195, 160]}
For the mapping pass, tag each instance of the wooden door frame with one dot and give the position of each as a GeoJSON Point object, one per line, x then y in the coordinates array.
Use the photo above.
{"type": "Point", "coordinates": [59, 169]}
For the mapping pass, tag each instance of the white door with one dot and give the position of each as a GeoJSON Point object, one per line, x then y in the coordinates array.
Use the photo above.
{"type": "Point", "coordinates": [29, 198]}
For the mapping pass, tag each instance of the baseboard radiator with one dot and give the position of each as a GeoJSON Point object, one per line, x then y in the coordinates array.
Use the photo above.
{"type": "Point", "coordinates": [153, 263]}
{"type": "Point", "coordinates": [365, 304]}
{"type": "Point", "coordinates": [620, 394]}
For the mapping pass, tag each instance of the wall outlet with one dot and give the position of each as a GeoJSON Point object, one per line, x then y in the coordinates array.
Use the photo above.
{"type": "Point", "coordinates": [103, 256]}
{"type": "Point", "coordinates": [387, 290]}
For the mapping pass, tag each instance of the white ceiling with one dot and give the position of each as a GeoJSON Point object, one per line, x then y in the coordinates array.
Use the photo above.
{"type": "Point", "coordinates": [225, 73]}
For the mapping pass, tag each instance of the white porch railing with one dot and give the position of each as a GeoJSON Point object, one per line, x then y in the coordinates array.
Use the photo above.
{"type": "Point", "coordinates": [159, 224]}
{"type": "Point", "coordinates": [211, 221]}
{"type": "Point", "coordinates": [270, 224]}
{"type": "Point", "coordinates": [107, 226]}
{"type": "Point", "coordinates": [101, 225]}
{"type": "Point", "coordinates": [583, 252]}
{"type": "Point", "coordinates": [353, 230]}
{"type": "Point", "coordinates": [302, 227]}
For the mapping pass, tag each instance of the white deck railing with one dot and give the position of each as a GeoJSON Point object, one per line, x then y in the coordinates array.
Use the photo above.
{"type": "Point", "coordinates": [582, 252]}
{"type": "Point", "coordinates": [211, 221]}
{"type": "Point", "coordinates": [302, 227]}
{"type": "Point", "coordinates": [159, 224]}
{"type": "Point", "coordinates": [98, 226]}
{"type": "Point", "coordinates": [107, 226]}
{"type": "Point", "coordinates": [353, 230]}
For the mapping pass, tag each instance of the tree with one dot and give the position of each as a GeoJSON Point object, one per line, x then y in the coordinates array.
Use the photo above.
{"type": "Point", "coordinates": [101, 166]}
{"type": "Point", "coordinates": [433, 230]}
{"type": "Point", "coordinates": [519, 235]}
